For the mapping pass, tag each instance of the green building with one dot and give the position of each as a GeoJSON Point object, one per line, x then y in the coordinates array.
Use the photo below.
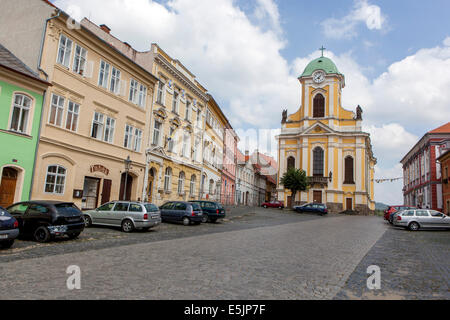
{"type": "Point", "coordinates": [21, 99]}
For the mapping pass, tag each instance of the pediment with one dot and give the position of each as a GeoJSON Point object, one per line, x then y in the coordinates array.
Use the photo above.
{"type": "Point", "coordinates": [176, 121]}
{"type": "Point", "coordinates": [318, 128]}
{"type": "Point", "coordinates": [160, 113]}
{"type": "Point", "coordinates": [159, 151]}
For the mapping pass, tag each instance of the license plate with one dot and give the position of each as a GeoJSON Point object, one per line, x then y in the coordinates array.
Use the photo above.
{"type": "Point", "coordinates": [155, 217]}
{"type": "Point", "coordinates": [200, 213]}
{"type": "Point", "coordinates": [3, 236]}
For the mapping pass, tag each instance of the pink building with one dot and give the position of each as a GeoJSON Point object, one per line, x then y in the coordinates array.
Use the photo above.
{"type": "Point", "coordinates": [228, 190]}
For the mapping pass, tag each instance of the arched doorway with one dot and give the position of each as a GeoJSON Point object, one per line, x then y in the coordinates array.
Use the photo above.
{"type": "Point", "coordinates": [8, 186]}
{"type": "Point", "coordinates": [125, 194]}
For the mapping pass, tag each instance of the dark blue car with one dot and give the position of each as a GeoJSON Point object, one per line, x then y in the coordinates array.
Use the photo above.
{"type": "Point", "coordinates": [181, 211]}
{"type": "Point", "coordinates": [9, 229]}
{"type": "Point", "coordinates": [212, 211]}
{"type": "Point", "coordinates": [319, 208]}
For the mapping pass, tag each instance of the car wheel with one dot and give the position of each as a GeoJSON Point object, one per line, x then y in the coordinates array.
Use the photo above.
{"type": "Point", "coordinates": [186, 221]}
{"type": "Point", "coordinates": [265, 206]}
{"type": "Point", "coordinates": [42, 235]}
{"type": "Point", "coordinates": [413, 226]}
{"type": "Point", "coordinates": [6, 244]}
{"type": "Point", "coordinates": [74, 235]}
{"type": "Point", "coordinates": [127, 225]}
{"type": "Point", "coordinates": [205, 218]}
{"type": "Point", "coordinates": [87, 221]}
{"type": "Point", "coordinates": [280, 207]}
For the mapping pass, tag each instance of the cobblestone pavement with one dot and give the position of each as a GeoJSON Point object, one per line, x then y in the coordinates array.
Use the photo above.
{"type": "Point", "coordinates": [413, 265]}
{"type": "Point", "coordinates": [267, 254]}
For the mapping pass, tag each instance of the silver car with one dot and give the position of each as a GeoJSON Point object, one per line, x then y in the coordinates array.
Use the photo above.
{"type": "Point", "coordinates": [421, 218]}
{"type": "Point", "coordinates": [128, 215]}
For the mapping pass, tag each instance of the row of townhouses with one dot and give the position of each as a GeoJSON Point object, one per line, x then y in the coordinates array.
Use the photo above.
{"type": "Point", "coordinates": [84, 117]}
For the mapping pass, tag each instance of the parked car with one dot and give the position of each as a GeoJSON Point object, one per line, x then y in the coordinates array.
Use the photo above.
{"type": "Point", "coordinates": [273, 204]}
{"type": "Point", "coordinates": [128, 215]}
{"type": "Point", "coordinates": [320, 208]}
{"type": "Point", "coordinates": [186, 212]}
{"type": "Point", "coordinates": [44, 220]}
{"type": "Point", "coordinates": [416, 219]}
{"type": "Point", "coordinates": [9, 229]}
{"type": "Point", "coordinates": [212, 211]}
{"type": "Point", "coordinates": [392, 209]}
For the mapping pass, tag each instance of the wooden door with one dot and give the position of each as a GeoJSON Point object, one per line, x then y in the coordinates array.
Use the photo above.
{"type": "Point", "coordinates": [129, 185]}
{"type": "Point", "coordinates": [349, 203]}
{"type": "Point", "coordinates": [289, 201]}
{"type": "Point", "coordinates": [8, 187]}
{"type": "Point", "coordinates": [317, 196]}
{"type": "Point", "coordinates": [106, 192]}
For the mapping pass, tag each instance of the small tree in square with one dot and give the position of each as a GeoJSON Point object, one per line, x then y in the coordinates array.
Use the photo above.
{"type": "Point", "coordinates": [295, 180]}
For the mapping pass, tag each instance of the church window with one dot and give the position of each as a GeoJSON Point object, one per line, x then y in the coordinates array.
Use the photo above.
{"type": "Point", "coordinates": [291, 162]}
{"type": "Point", "coordinates": [349, 170]}
{"type": "Point", "coordinates": [318, 162]}
{"type": "Point", "coordinates": [319, 106]}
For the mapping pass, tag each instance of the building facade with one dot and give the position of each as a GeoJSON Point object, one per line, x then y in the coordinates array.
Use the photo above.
{"type": "Point", "coordinates": [444, 161]}
{"type": "Point", "coordinates": [422, 176]}
{"type": "Point", "coordinates": [21, 98]}
{"type": "Point", "coordinates": [229, 166]}
{"type": "Point", "coordinates": [327, 142]}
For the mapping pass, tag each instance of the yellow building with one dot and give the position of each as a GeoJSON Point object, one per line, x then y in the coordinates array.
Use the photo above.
{"type": "Point", "coordinates": [327, 142]}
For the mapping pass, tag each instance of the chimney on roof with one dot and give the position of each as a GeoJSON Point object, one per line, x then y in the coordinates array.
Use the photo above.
{"type": "Point", "coordinates": [105, 28]}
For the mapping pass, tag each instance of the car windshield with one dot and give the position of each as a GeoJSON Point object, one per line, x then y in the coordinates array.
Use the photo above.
{"type": "Point", "coordinates": [151, 207]}
{"type": "Point", "coordinates": [195, 206]}
{"type": "Point", "coordinates": [68, 209]}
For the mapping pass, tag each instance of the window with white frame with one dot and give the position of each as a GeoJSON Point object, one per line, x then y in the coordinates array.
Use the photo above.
{"type": "Point", "coordinates": [170, 143]}
{"type": "Point", "coordinates": [188, 110]}
{"type": "Point", "coordinates": [128, 139]}
{"type": "Point", "coordinates": [56, 110]}
{"type": "Point", "coordinates": [115, 81]}
{"type": "Point", "coordinates": [98, 126]}
{"type": "Point", "coordinates": [181, 183]}
{"type": "Point", "coordinates": [192, 185]}
{"type": "Point", "coordinates": [142, 95]}
{"type": "Point", "coordinates": [137, 140]}
{"type": "Point", "coordinates": [175, 101]}
{"type": "Point", "coordinates": [199, 119]}
{"type": "Point", "coordinates": [64, 51]}
{"type": "Point", "coordinates": [73, 111]}
{"type": "Point", "coordinates": [133, 91]}
{"type": "Point", "coordinates": [79, 60]}
{"type": "Point", "coordinates": [167, 179]}
{"type": "Point", "coordinates": [103, 76]}
{"type": "Point", "coordinates": [160, 94]}
{"type": "Point", "coordinates": [109, 130]}
{"type": "Point", "coordinates": [157, 133]}
{"type": "Point", "coordinates": [196, 146]}
{"type": "Point", "coordinates": [20, 113]}
{"type": "Point", "coordinates": [186, 145]}
{"type": "Point", "coordinates": [55, 179]}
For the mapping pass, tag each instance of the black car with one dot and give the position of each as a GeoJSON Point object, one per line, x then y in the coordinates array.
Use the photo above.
{"type": "Point", "coordinates": [44, 220]}
{"type": "Point", "coordinates": [8, 229]}
{"type": "Point", "coordinates": [185, 212]}
{"type": "Point", "coordinates": [319, 208]}
{"type": "Point", "coordinates": [212, 211]}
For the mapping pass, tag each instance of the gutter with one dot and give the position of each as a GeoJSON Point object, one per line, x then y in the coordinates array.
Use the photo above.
{"type": "Point", "coordinates": [44, 99]}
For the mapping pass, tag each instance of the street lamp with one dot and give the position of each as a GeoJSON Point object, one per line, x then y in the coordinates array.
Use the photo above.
{"type": "Point", "coordinates": [127, 162]}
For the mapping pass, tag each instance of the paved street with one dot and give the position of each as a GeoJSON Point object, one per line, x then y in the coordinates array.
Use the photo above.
{"type": "Point", "coordinates": [254, 254]}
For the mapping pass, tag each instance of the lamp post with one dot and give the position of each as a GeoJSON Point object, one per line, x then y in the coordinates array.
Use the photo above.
{"type": "Point", "coordinates": [127, 162]}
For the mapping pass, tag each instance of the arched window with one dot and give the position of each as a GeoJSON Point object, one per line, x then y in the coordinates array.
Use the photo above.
{"type": "Point", "coordinates": [211, 186]}
{"type": "Point", "coordinates": [20, 113]}
{"type": "Point", "coordinates": [291, 162]}
{"type": "Point", "coordinates": [55, 180]}
{"type": "Point", "coordinates": [167, 179]}
{"type": "Point", "coordinates": [318, 162]}
{"type": "Point", "coordinates": [192, 185]}
{"type": "Point", "coordinates": [319, 106]}
{"type": "Point", "coordinates": [348, 172]}
{"type": "Point", "coordinates": [181, 183]}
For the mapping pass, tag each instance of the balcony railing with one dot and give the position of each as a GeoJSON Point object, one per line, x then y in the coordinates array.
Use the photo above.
{"type": "Point", "coordinates": [318, 180]}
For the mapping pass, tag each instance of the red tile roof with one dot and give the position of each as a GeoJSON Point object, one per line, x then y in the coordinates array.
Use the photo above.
{"type": "Point", "coordinates": [442, 129]}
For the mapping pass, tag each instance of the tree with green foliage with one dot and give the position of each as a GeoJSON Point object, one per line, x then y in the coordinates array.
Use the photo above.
{"type": "Point", "coordinates": [295, 180]}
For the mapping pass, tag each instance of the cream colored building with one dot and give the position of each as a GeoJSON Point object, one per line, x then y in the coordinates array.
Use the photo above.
{"type": "Point", "coordinates": [94, 115]}
{"type": "Point", "coordinates": [326, 140]}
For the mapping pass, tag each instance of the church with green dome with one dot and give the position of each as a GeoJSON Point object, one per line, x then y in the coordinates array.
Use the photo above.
{"type": "Point", "coordinates": [326, 141]}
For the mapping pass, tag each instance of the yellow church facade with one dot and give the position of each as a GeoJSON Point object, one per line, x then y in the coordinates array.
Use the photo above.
{"type": "Point", "coordinates": [327, 142]}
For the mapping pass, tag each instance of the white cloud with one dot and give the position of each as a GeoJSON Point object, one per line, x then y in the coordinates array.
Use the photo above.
{"type": "Point", "coordinates": [362, 12]}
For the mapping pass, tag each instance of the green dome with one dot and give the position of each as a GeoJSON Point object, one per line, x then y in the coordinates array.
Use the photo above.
{"type": "Point", "coordinates": [321, 63]}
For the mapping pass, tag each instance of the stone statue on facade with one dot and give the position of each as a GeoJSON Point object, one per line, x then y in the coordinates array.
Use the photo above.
{"type": "Point", "coordinates": [359, 112]}
{"type": "Point", "coordinates": [284, 116]}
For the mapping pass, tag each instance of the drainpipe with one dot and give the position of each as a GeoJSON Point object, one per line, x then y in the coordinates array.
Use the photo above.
{"type": "Point", "coordinates": [44, 99]}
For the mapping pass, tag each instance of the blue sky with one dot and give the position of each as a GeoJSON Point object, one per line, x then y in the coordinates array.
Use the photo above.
{"type": "Point", "coordinates": [395, 56]}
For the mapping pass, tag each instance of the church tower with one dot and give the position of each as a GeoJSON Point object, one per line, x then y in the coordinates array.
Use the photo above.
{"type": "Point", "coordinates": [327, 142]}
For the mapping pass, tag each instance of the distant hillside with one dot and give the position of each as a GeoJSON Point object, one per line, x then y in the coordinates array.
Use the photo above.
{"type": "Point", "coordinates": [380, 206]}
